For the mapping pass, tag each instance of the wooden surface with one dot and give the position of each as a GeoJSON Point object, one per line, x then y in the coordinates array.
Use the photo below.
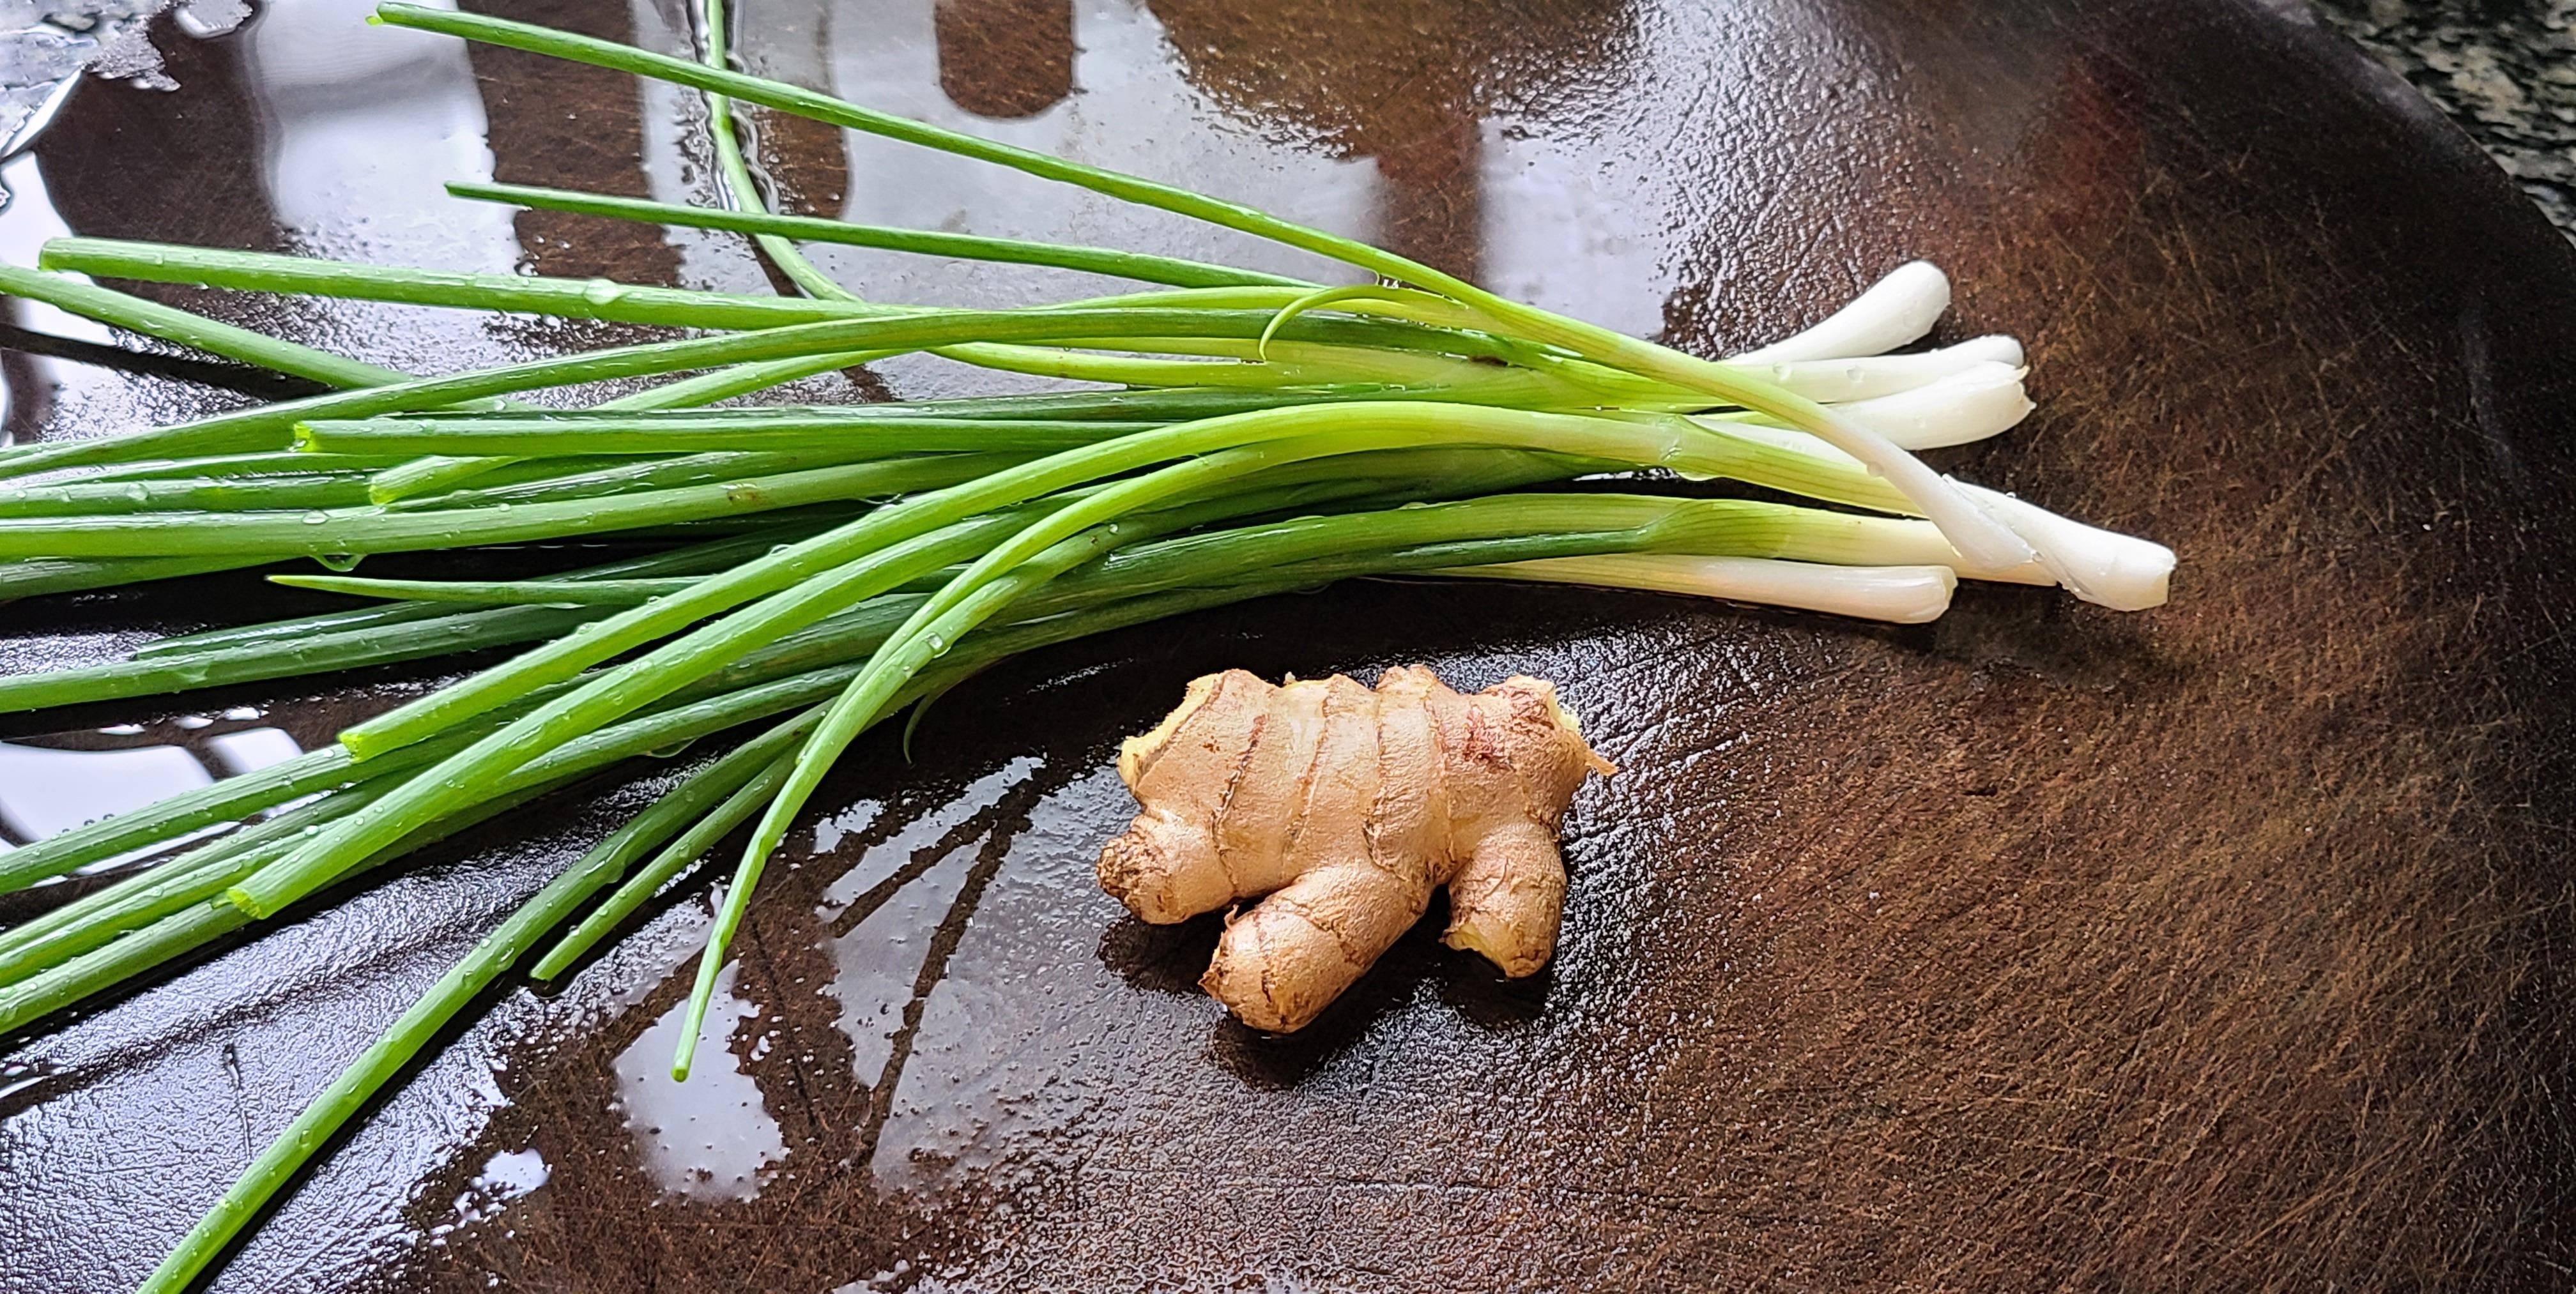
{"type": "Point", "coordinates": [2222, 947]}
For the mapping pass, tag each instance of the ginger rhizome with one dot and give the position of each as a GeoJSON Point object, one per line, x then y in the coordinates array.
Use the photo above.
{"type": "Point", "coordinates": [1341, 809]}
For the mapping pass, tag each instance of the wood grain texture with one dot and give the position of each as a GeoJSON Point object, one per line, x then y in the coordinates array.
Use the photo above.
{"type": "Point", "coordinates": [2221, 947]}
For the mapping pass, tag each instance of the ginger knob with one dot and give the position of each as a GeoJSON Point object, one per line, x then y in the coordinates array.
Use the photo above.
{"type": "Point", "coordinates": [1341, 809]}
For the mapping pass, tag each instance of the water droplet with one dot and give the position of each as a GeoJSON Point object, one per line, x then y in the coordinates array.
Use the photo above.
{"type": "Point", "coordinates": [137, 493]}
{"type": "Point", "coordinates": [316, 517]}
{"type": "Point", "coordinates": [601, 292]}
{"type": "Point", "coordinates": [341, 562]}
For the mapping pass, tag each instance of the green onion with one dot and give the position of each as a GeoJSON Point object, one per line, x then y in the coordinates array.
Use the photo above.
{"type": "Point", "coordinates": [316, 490]}
{"type": "Point", "coordinates": [243, 466]}
{"type": "Point", "coordinates": [37, 576]}
{"type": "Point", "coordinates": [1984, 539]}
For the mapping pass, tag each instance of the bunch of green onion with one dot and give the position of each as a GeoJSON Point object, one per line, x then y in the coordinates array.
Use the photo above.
{"type": "Point", "coordinates": [806, 572]}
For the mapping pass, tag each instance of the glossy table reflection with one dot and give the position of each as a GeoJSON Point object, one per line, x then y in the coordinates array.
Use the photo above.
{"type": "Point", "coordinates": [2222, 947]}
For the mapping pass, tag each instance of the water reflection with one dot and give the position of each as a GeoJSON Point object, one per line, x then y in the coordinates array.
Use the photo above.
{"type": "Point", "coordinates": [711, 1137]}
{"type": "Point", "coordinates": [883, 920]}
{"type": "Point", "coordinates": [46, 45]}
{"type": "Point", "coordinates": [1134, 112]}
{"type": "Point", "coordinates": [46, 791]}
{"type": "Point", "coordinates": [1411, 84]}
{"type": "Point", "coordinates": [31, 386]}
{"type": "Point", "coordinates": [362, 125]}
{"type": "Point", "coordinates": [252, 749]}
{"type": "Point", "coordinates": [306, 128]}
{"type": "Point", "coordinates": [57, 782]}
{"type": "Point", "coordinates": [505, 1177]}
{"type": "Point", "coordinates": [673, 157]}
{"type": "Point", "coordinates": [1416, 131]}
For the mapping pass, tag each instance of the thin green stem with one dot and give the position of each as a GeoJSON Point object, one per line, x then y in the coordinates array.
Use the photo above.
{"type": "Point", "coordinates": [63, 933]}
{"type": "Point", "coordinates": [350, 532]}
{"type": "Point", "coordinates": [243, 466]}
{"type": "Point", "coordinates": [430, 475]}
{"type": "Point", "coordinates": [84, 498]}
{"type": "Point", "coordinates": [698, 558]}
{"type": "Point", "coordinates": [171, 324]}
{"type": "Point", "coordinates": [816, 431]}
{"type": "Point", "coordinates": [601, 299]}
{"type": "Point", "coordinates": [375, 644]}
{"type": "Point", "coordinates": [1138, 266]}
{"type": "Point", "coordinates": [228, 800]}
{"type": "Point", "coordinates": [617, 475]}
{"type": "Point", "coordinates": [284, 631]}
{"type": "Point", "coordinates": [738, 806]}
{"type": "Point", "coordinates": [34, 577]}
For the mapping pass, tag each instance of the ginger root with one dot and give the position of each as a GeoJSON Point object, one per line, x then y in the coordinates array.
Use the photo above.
{"type": "Point", "coordinates": [1346, 808]}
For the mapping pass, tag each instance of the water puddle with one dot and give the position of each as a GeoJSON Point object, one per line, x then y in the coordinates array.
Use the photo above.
{"type": "Point", "coordinates": [710, 1137]}
{"type": "Point", "coordinates": [883, 914]}
{"type": "Point", "coordinates": [955, 935]}
{"type": "Point", "coordinates": [512, 1172]}
{"type": "Point", "coordinates": [505, 1177]}
{"type": "Point", "coordinates": [362, 126]}
{"type": "Point", "coordinates": [252, 749]}
{"type": "Point", "coordinates": [46, 46]}
{"type": "Point", "coordinates": [878, 963]}
{"type": "Point", "coordinates": [54, 783]}
{"type": "Point", "coordinates": [980, 1103]}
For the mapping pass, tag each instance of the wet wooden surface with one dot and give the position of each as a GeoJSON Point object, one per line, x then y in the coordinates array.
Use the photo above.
{"type": "Point", "coordinates": [2223, 947]}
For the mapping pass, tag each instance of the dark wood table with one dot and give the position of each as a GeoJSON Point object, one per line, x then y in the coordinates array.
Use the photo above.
{"type": "Point", "coordinates": [2224, 947]}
